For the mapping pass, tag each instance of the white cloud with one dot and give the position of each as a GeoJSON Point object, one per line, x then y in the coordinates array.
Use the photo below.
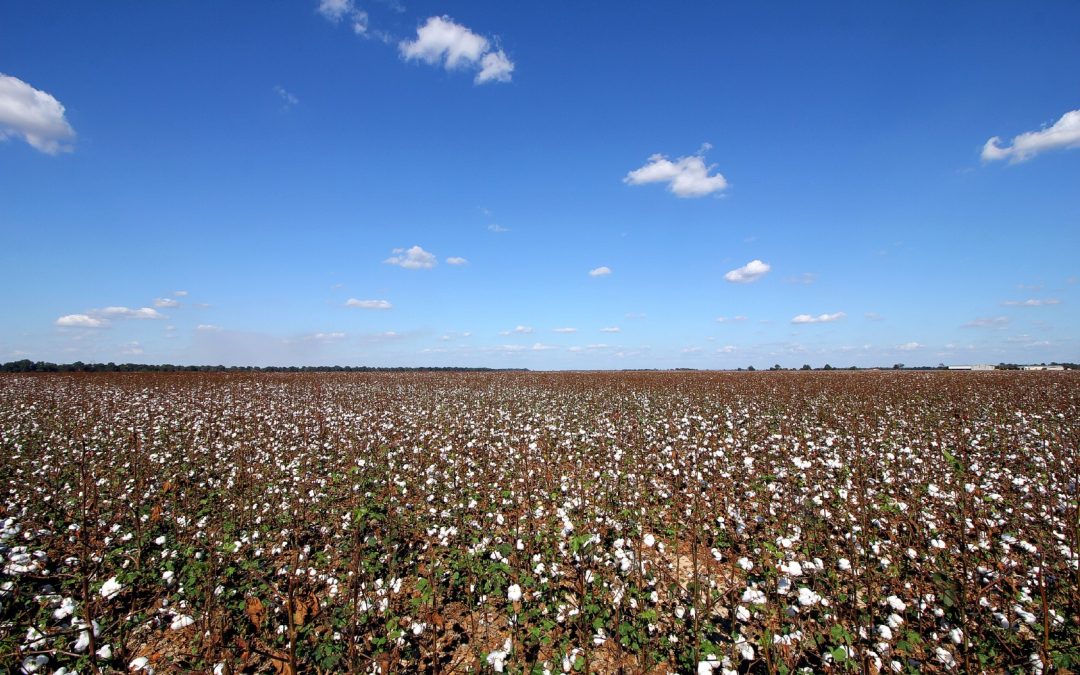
{"type": "Point", "coordinates": [495, 66]}
{"type": "Point", "coordinates": [1065, 133]}
{"type": "Point", "coordinates": [988, 322]}
{"type": "Point", "coordinates": [806, 278]}
{"type": "Point", "coordinates": [335, 10]}
{"type": "Point", "coordinates": [686, 176]}
{"type": "Point", "coordinates": [541, 347]}
{"type": "Point", "coordinates": [180, 294]}
{"type": "Point", "coordinates": [368, 304]}
{"type": "Point", "coordinates": [166, 302]}
{"type": "Point", "coordinates": [1032, 302]}
{"type": "Point", "coordinates": [725, 319]}
{"type": "Point", "coordinates": [455, 260]}
{"type": "Point", "coordinates": [131, 349]}
{"type": "Point", "coordinates": [498, 229]}
{"type": "Point", "coordinates": [414, 258]}
{"type": "Point", "coordinates": [611, 329]}
{"type": "Point", "coordinates": [909, 346]}
{"type": "Point", "coordinates": [565, 330]}
{"type": "Point", "coordinates": [33, 115]}
{"type": "Point", "coordinates": [127, 313]}
{"type": "Point", "coordinates": [726, 349]}
{"type": "Point", "coordinates": [81, 321]}
{"type": "Point", "coordinates": [635, 315]}
{"type": "Point", "coordinates": [289, 99]}
{"type": "Point", "coordinates": [691, 350]}
{"type": "Point", "coordinates": [519, 330]}
{"type": "Point", "coordinates": [601, 271]}
{"type": "Point", "coordinates": [751, 271]}
{"type": "Point", "coordinates": [207, 327]}
{"type": "Point", "coordinates": [325, 337]}
{"type": "Point", "coordinates": [442, 41]}
{"type": "Point", "coordinates": [873, 316]}
{"type": "Point", "coordinates": [820, 318]}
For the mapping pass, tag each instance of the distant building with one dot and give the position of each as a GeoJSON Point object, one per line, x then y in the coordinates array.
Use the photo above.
{"type": "Point", "coordinates": [1042, 367]}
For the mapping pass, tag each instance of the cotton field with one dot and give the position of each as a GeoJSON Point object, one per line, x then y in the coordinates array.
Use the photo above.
{"type": "Point", "coordinates": [540, 523]}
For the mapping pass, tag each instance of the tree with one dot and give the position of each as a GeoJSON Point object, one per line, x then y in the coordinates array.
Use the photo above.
{"type": "Point", "coordinates": [806, 366]}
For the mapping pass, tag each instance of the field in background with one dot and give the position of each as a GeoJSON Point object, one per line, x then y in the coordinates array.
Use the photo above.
{"type": "Point", "coordinates": [532, 522]}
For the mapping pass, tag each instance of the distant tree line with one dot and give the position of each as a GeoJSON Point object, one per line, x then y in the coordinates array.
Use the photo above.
{"type": "Point", "coordinates": [28, 366]}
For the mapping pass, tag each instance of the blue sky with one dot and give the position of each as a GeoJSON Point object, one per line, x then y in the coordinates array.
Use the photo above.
{"type": "Point", "coordinates": [708, 185]}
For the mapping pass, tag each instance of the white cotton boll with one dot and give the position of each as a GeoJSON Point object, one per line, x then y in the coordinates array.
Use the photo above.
{"type": "Point", "coordinates": [742, 614]}
{"type": "Point", "coordinates": [746, 651]}
{"type": "Point", "coordinates": [160, 541]}
{"type": "Point", "coordinates": [110, 588]}
{"type": "Point", "coordinates": [783, 585]}
{"type": "Point", "coordinates": [745, 563]}
{"type": "Point", "coordinates": [66, 609]}
{"type": "Point", "coordinates": [105, 652]}
{"type": "Point", "coordinates": [32, 664]}
{"type": "Point", "coordinates": [513, 594]}
{"type": "Point", "coordinates": [181, 621]}
{"type": "Point", "coordinates": [885, 632]}
{"type": "Point", "coordinates": [945, 657]}
{"type": "Point", "coordinates": [649, 540]}
{"type": "Point", "coordinates": [896, 603]}
{"type": "Point", "coordinates": [956, 635]}
{"type": "Point", "coordinates": [167, 577]}
{"type": "Point", "coordinates": [844, 564]}
{"type": "Point", "coordinates": [83, 642]}
{"type": "Point", "coordinates": [140, 663]}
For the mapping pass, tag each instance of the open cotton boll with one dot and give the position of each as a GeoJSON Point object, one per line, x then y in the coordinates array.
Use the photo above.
{"type": "Point", "coordinates": [513, 594]}
{"type": "Point", "coordinates": [110, 588]}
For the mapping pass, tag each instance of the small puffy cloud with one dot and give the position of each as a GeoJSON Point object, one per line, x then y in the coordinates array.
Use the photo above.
{"type": "Point", "coordinates": [806, 278]}
{"type": "Point", "coordinates": [611, 329]}
{"type": "Point", "coordinates": [166, 302]}
{"type": "Point", "coordinates": [443, 41]}
{"type": "Point", "coordinates": [414, 258]}
{"type": "Point", "coordinates": [751, 271]}
{"type": "Point", "coordinates": [495, 67]}
{"type": "Point", "coordinates": [335, 10]}
{"type": "Point", "coordinates": [691, 350]}
{"type": "Point", "coordinates": [601, 271]}
{"type": "Point", "coordinates": [909, 346]}
{"type": "Point", "coordinates": [518, 330]}
{"type": "Point", "coordinates": [820, 318]}
{"type": "Point", "coordinates": [541, 347]}
{"type": "Point", "coordinates": [685, 177]}
{"type": "Point", "coordinates": [81, 321]}
{"type": "Point", "coordinates": [127, 313]}
{"type": "Point", "coordinates": [368, 304]}
{"type": "Point", "coordinates": [565, 330]}
{"type": "Point", "coordinates": [207, 328]}
{"type": "Point", "coordinates": [1032, 302]}
{"type": "Point", "coordinates": [1065, 133]}
{"type": "Point", "coordinates": [726, 319]}
{"type": "Point", "coordinates": [34, 116]}
{"type": "Point", "coordinates": [287, 98]}
{"type": "Point", "coordinates": [726, 349]}
{"type": "Point", "coordinates": [455, 260]}
{"type": "Point", "coordinates": [325, 337]}
{"type": "Point", "coordinates": [988, 322]}
{"type": "Point", "coordinates": [180, 294]}
{"type": "Point", "coordinates": [635, 315]}
{"type": "Point", "coordinates": [131, 349]}
{"type": "Point", "coordinates": [498, 229]}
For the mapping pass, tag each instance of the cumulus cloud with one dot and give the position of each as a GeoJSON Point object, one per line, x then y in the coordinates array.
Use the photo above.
{"type": "Point", "coordinates": [820, 318]}
{"type": "Point", "coordinates": [442, 41]}
{"type": "Point", "coordinates": [180, 294]}
{"type": "Point", "coordinates": [685, 177]}
{"type": "Point", "coordinates": [368, 304]}
{"type": "Point", "coordinates": [166, 302]}
{"type": "Point", "coordinates": [131, 349]}
{"type": "Point", "coordinates": [988, 322]}
{"type": "Point", "coordinates": [1032, 302]}
{"type": "Point", "coordinates": [611, 329]}
{"type": "Point", "coordinates": [751, 271]}
{"type": "Point", "coordinates": [498, 229]}
{"type": "Point", "coordinates": [725, 319]}
{"type": "Point", "coordinates": [33, 115]}
{"type": "Point", "coordinates": [207, 327]}
{"type": "Point", "coordinates": [414, 258]}
{"type": "Point", "coordinates": [518, 330]}
{"type": "Point", "coordinates": [81, 321]}
{"type": "Point", "coordinates": [909, 346]}
{"type": "Point", "coordinates": [601, 271]}
{"type": "Point", "coordinates": [455, 260]}
{"type": "Point", "coordinates": [726, 349]}
{"type": "Point", "coordinates": [127, 313]}
{"type": "Point", "coordinates": [325, 337]}
{"type": "Point", "coordinates": [287, 98]}
{"type": "Point", "coordinates": [565, 330]}
{"type": "Point", "coordinates": [1065, 133]}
